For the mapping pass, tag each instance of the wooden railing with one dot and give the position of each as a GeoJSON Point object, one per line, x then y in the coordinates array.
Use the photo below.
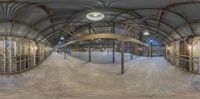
{"type": "Point", "coordinates": [21, 63]}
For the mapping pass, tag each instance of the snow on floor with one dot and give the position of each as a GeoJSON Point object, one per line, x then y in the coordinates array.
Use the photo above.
{"type": "Point", "coordinates": [145, 78]}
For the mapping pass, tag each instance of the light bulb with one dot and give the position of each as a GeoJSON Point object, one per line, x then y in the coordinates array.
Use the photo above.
{"type": "Point", "coordinates": [95, 16]}
{"type": "Point", "coordinates": [146, 33]}
{"type": "Point", "coordinates": [62, 38]}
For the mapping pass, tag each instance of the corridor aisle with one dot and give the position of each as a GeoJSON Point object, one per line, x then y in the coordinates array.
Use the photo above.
{"type": "Point", "coordinates": [144, 78]}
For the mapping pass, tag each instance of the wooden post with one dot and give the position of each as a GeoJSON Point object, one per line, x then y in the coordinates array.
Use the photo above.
{"type": "Point", "coordinates": [65, 52]}
{"type": "Point", "coordinates": [113, 30]}
{"type": "Point", "coordinates": [191, 56]}
{"type": "Point", "coordinates": [148, 51]}
{"type": "Point", "coordinates": [89, 46]}
{"type": "Point", "coordinates": [151, 49]}
{"type": "Point", "coordinates": [122, 57]}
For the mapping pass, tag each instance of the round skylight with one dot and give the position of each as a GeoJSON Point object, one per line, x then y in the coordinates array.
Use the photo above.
{"type": "Point", "coordinates": [95, 16]}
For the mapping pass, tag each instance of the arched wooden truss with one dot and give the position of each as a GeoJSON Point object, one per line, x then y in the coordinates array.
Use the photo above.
{"type": "Point", "coordinates": [105, 36]}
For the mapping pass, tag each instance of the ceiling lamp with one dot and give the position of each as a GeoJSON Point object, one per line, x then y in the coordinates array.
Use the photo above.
{"type": "Point", "coordinates": [62, 38]}
{"type": "Point", "coordinates": [146, 33]}
{"type": "Point", "coordinates": [95, 16]}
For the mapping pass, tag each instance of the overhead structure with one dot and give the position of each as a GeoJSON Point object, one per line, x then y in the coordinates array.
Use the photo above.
{"type": "Point", "coordinates": [105, 36]}
{"type": "Point", "coordinates": [43, 20]}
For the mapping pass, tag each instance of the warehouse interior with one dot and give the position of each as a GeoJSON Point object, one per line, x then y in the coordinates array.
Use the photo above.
{"type": "Point", "coordinates": [99, 49]}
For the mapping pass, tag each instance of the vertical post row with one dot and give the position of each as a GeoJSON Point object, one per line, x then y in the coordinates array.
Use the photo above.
{"type": "Point", "coordinates": [122, 57]}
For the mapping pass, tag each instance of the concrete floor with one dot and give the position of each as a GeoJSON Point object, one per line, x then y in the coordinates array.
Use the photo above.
{"type": "Point", "coordinates": [145, 78]}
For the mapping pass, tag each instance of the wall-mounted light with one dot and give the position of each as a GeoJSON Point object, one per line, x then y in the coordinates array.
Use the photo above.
{"type": "Point", "coordinates": [95, 16]}
{"type": "Point", "coordinates": [146, 33]}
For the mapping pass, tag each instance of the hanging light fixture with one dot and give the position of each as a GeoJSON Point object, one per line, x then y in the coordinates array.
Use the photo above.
{"type": "Point", "coordinates": [95, 16]}
{"type": "Point", "coordinates": [146, 33]}
{"type": "Point", "coordinates": [62, 38]}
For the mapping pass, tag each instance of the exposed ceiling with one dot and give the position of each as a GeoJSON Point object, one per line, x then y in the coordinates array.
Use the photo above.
{"type": "Point", "coordinates": [45, 20]}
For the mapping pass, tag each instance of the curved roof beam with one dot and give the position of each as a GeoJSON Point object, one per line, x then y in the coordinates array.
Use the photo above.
{"type": "Point", "coordinates": [41, 21]}
{"type": "Point", "coordinates": [161, 12]}
{"type": "Point", "coordinates": [17, 22]}
{"type": "Point", "coordinates": [112, 2]}
{"type": "Point", "coordinates": [49, 12]}
{"type": "Point", "coordinates": [105, 36]}
{"type": "Point", "coordinates": [154, 32]}
{"type": "Point", "coordinates": [82, 4]}
{"type": "Point", "coordinates": [55, 37]}
{"type": "Point", "coordinates": [91, 23]}
{"type": "Point", "coordinates": [50, 26]}
{"type": "Point", "coordinates": [86, 25]}
{"type": "Point", "coordinates": [179, 34]}
{"type": "Point", "coordinates": [173, 12]}
{"type": "Point", "coordinates": [185, 24]}
{"type": "Point", "coordinates": [181, 3]}
{"type": "Point", "coordinates": [43, 7]}
{"type": "Point", "coordinates": [173, 29]}
{"type": "Point", "coordinates": [77, 15]}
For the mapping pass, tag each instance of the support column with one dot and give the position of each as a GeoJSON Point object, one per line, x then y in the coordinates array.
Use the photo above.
{"type": "Point", "coordinates": [113, 30]}
{"type": "Point", "coordinates": [151, 49]}
{"type": "Point", "coordinates": [69, 50]}
{"type": "Point", "coordinates": [113, 51]}
{"type": "Point", "coordinates": [89, 46]}
{"type": "Point", "coordinates": [191, 57]}
{"type": "Point", "coordinates": [5, 54]}
{"type": "Point", "coordinates": [131, 50]}
{"type": "Point", "coordinates": [122, 57]}
{"type": "Point", "coordinates": [140, 44]}
{"type": "Point", "coordinates": [89, 52]}
{"type": "Point", "coordinates": [148, 51]}
{"type": "Point", "coordinates": [65, 52]}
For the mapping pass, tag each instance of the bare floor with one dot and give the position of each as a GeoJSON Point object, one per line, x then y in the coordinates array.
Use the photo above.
{"type": "Point", "coordinates": [145, 78]}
